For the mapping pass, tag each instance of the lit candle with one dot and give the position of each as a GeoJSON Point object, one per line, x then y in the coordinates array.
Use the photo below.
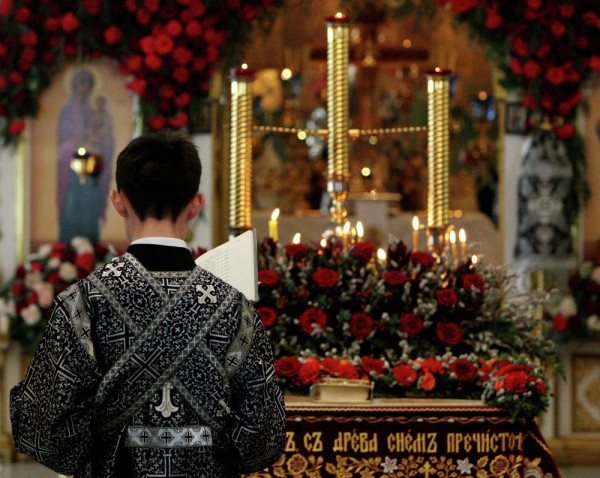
{"type": "Point", "coordinates": [273, 232]}
{"type": "Point", "coordinates": [462, 237]}
{"type": "Point", "coordinates": [474, 260]}
{"type": "Point", "coordinates": [297, 238]}
{"type": "Point", "coordinates": [381, 256]}
{"type": "Point", "coordinates": [453, 244]}
{"type": "Point", "coordinates": [415, 226]}
{"type": "Point", "coordinates": [360, 231]}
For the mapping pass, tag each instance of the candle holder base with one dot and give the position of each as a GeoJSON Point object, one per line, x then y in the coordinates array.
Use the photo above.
{"type": "Point", "coordinates": [436, 239]}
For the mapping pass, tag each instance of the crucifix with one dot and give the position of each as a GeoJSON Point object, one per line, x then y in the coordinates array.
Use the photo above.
{"type": "Point", "coordinates": [166, 407]}
{"type": "Point", "coordinates": [167, 472]}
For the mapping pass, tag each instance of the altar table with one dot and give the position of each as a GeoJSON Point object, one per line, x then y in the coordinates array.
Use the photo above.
{"type": "Point", "coordinates": [409, 438]}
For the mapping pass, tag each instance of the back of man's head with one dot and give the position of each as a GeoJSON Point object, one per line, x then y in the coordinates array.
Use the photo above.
{"type": "Point", "coordinates": [159, 173]}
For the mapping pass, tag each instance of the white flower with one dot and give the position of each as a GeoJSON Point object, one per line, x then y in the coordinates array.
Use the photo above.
{"type": "Point", "coordinates": [45, 292]}
{"type": "Point", "coordinates": [389, 465]}
{"type": "Point", "coordinates": [44, 250]}
{"type": "Point", "coordinates": [31, 314]}
{"type": "Point", "coordinates": [82, 245]}
{"type": "Point", "coordinates": [464, 466]}
{"type": "Point", "coordinates": [67, 271]}
{"type": "Point", "coordinates": [567, 307]}
{"type": "Point", "coordinates": [593, 323]}
{"type": "Point", "coordinates": [54, 263]}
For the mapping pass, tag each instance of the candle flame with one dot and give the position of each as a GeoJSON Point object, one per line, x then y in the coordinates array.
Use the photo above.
{"type": "Point", "coordinates": [462, 235]}
{"type": "Point", "coordinates": [244, 66]}
{"type": "Point", "coordinates": [452, 237]}
{"type": "Point", "coordinates": [360, 231]}
{"type": "Point", "coordinates": [415, 223]}
{"type": "Point", "coordinates": [81, 151]}
{"type": "Point", "coordinates": [297, 238]}
{"type": "Point", "coordinates": [323, 242]}
{"type": "Point", "coordinates": [347, 226]}
{"type": "Point", "coordinates": [473, 259]}
{"type": "Point", "coordinates": [339, 15]}
{"type": "Point", "coordinates": [381, 254]}
{"type": "Point", "coordinates": [275, 214]}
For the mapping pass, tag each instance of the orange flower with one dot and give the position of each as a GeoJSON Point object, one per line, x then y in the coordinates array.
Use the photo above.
{"type": "Point", "coordinates": [427, 382]}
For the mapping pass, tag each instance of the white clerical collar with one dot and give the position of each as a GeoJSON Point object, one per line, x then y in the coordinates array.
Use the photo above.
{"type": "Point", "coordinates": [161, 241]}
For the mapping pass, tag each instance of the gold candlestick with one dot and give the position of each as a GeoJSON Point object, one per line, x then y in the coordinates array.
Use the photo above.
{"type": "Point", "coordinates": [240, 156]}
{"type": "Point", "coordinates": [438, 150]}
{"type": "Point", "coordinates": [338, 164]}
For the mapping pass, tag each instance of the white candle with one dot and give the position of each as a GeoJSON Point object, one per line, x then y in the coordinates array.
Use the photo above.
{"type": "Point", "coordinates": [462, 237]}
{"type": "Point", "coordinates": [297, 238]}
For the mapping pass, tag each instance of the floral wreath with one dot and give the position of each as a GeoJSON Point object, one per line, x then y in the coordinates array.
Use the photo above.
{"type": "Point", "coordinates": [168, 50]}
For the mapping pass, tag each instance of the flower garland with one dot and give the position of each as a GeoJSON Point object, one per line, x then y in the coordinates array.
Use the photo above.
{"type": "Point", "coordinates": [167, 49]}
{"type": "Point", "coordinates": [26, 300]}
{"type": "Point", "coordinates": [576, 315]}
{"type": "Point", "coordinates": [416, 325]}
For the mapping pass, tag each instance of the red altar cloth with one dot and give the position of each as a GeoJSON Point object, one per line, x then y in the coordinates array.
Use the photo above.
{"type": "Point", "coordinates": [409, 438]}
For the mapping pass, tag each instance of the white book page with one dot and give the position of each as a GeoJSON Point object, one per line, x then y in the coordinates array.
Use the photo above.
{"type": "Point", "coordinates": [235, 262]}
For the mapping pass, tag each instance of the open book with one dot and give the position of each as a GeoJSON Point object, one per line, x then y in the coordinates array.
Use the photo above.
{"type": "Point", "coordinates": [235, 262]}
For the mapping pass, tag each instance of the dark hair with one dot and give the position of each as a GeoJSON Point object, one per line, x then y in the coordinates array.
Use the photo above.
{"type": "Point", "coordinates": [159, 173]}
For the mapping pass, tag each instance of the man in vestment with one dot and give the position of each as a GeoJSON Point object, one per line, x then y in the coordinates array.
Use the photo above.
{"type": "Point", "coordinates": [151, 366]}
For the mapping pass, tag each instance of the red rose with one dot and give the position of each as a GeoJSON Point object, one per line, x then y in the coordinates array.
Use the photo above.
{"type": "Point", "coordinates": [17, 289]}
{"type": "Point", "coordinates": [179, 121]}
{"type": "Point", "coordinates": [193, 29]}
{"type": "Point", "coordinates": [515, 66]}
{"type": "Point", "coordinates": [182, 55]}
{"type": "Point", "coordinates": [411, 324]}
{"type": "Point", "coordinates": [372, 365]}
{"type": "Point", "coordinates": [395, 278]}
{"type": "Point", "coordinates": [446, 297]}
{"type": "Point", "coordinates": [347, 370]}
{"type": "Point", "coordinates": [594, 63]}
{"type": "Point", "coordinates": [53, 277]}
{"type": "Point", "coordinates": [309, 372]}
{"type": "Point", "coordinates": [541, 387]}
{"type": "Point", "coordinates": [268, 278]}
{"type": "Point", "coordinates": [15, 77]}
{"type": "Point", "coordinates": [431, 365]}
{"type": "Point", "coordinates": [531, 69]}
{"type": "Point", "coordinates": [530, 102]}
{"type": "Point", "coordinates": [534, 4]}
{"type": "Point", "coordinates": [15, 127]}
{"type": "Point", "coordinates": [560, 323]}
{"type": "Point", "coordinates": [325, 277]}
{"type": "Point", "coordinates": [112, 35]}
{"type": "Point", "coordinates": [92, 6]}
{"type": "Point", "coordinates": [363, 251]}
{"type": "Point", "coordinates": [520, 47]}
{"type": "Point", "coordinates": [516, 382]}
{"type": "Point", "coordinates": [330, 366]}
{"type": "Point", "coordinates": [134, 63]}
{"type": "Point", "coordinates": [506, 367]}
{"type": "Point", "coordinates": [69, 22]}
{"type": "Point", "coordinates": [361, 325]}
{"type": "Point", "coordinates": [564, 131]}
{"type": "Point", "coordinates": [449, 333]}
{"type": "Point", "coordinates": [142, 16]}
{"type": "Point", "coordinates": [566, 11]}
{"type": "Point", "coordinates": [163, 44]}
{"type": "Point", "coordinates": [147, 44]}
{"type": "Point", "coordinates": [152, 5]}
{"type": "Point", "coordinates": [422, 258]}
{"type": "Point", "coordinates": [492, 19]}
{"type": "Point", "coordinates": [555, 75]}
{"type": "Point", "coordinates": [182, 100]}
{"type": "Point", "coordinates": [181, 74]}
{"type": "Point", "coordinates": [296, 251]}
{"type": "Point", "coordinates": [86, 261]}
{"type": "Point", "coordinates": [464, 370]}
{"type": "Point", "coordinates": [404, 375]}
{"type": "Point", "coordinates": [557, 28]}
{"type": "Point", "coordinates": [22, 15]}
{"type": "Point", "coordinates": [311, 317]}
{"type": "Point", "coordinates": [138, 86]}
{"type": "Point", "coordinates": [267, 315]}
{"type": "Point", "coordinates": [462, 6]}
{"type": "Point", "coordinates": [473, 282]}
{"type": "Point", "coordinates": [28, 39]}
{"type": "Point", "coordinates": [173, 28]}
{"type": "Point", "coordinates": [157, 122]}
{"type": "Point", "coordinates": [287, 366]}
{"type": "Point", "coordinates": [153, 62]}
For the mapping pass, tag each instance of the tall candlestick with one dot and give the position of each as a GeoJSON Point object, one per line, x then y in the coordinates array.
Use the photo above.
{"type": "Point", "coordinates": [240, 155]}
{"type": "Point", "coordinates": [438, 151]}
{"type": "Point", "coordinates": [273, 229]}
{"type": "Point", "coordinates": [338, 118]}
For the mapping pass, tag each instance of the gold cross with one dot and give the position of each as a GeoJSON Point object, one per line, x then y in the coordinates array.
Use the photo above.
{"type": "Point", "coordinates": [426, 469]}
